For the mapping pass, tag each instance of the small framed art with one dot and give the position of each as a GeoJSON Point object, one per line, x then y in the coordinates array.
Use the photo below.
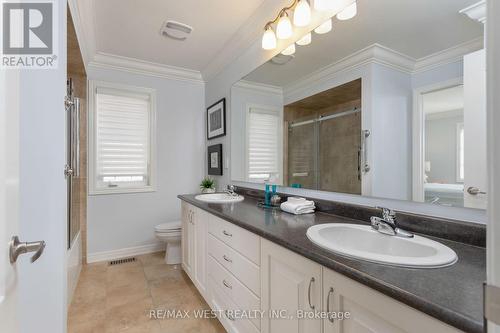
{"type": "Point", "coordinates": [216, 120]}
{"type": "Point", "coordinates": [215, 160]}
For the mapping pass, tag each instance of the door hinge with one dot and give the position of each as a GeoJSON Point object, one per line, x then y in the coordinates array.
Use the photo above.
{"type": "Point", "coordinates": [492, 303]}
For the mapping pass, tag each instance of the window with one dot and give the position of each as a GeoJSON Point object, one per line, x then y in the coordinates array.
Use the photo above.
{"type": "Point", "coordinates": [263, 145]}
{"type": "Point", "coordinates": [460, 153]}
{"type": "Point", "coordinates": [121, 127]}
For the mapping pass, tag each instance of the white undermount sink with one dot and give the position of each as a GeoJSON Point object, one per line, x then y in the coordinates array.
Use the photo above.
{"type": "Point", "coordinates": [362, 242]}
{"type": "Point", "coordinates": [219, 198]}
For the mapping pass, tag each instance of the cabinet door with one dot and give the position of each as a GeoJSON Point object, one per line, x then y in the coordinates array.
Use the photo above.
{"type": "Point", "coordinates": [200, 220]}
{"type": "Point", "coordinates": [290, 284]}
{"type": "Point", "coordinates": [370, 311]}
{"type": "Point", "coordinates": [187, 239]}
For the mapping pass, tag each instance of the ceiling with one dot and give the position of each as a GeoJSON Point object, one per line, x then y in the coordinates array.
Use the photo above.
{"type": "Point", "coordinates": [444, 100]}
{"type": "Point", "coordinates": [414, 28]}
{"type": "Point", "coordinates": [131, 28]}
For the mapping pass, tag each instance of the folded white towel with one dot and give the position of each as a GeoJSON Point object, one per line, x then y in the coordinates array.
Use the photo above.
{"type": "Point", "coordinates": [298, 206]}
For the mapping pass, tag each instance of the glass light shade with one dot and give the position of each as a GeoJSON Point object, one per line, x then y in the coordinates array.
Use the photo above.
{"type": "Point", "coordinates": [284, 29]}
{"type": "Point", "coordinates": [348, 13]}
{"type": "Point", "coordinates": [289, 50]}
{"type": "Point", "coordinates": [325, 4]}
{"type": "Point", "coordinates": [324, 28]}
{"type": "Point", "coordinates": [269, 40]}
{"type": "Point", "coordinates": [302, 14]}
{"type": "Point", "coordinates": [306, 40]}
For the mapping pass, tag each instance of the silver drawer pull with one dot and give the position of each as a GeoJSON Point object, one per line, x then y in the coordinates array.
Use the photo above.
{"type": "Point", "coordinates": [230, 317]}
{"type": "Point", "coordinates": [227, 285]}
{"type": "Point", "coordinates": [226, 258]}
{"type": "Point", "coordinates": [227, 233]}
{"type": "Point", "coordinates": [330, 317]}
{"type": "Point", "coordinates": [309, 293]}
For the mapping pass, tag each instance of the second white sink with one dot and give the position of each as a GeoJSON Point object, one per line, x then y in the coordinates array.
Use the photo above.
{"type": "Point", "coordinates": [219, 198]}
{"type": "Point", "coordinates": [362, 242]}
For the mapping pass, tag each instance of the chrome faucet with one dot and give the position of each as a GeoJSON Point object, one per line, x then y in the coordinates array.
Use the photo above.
{"type": "Point", "coordinates": [387, 224]}
{"type": "Point", "coordinates": [230, 191]}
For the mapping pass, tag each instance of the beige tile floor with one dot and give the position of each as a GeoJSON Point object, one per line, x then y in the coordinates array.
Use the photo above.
{"type": "Point", "coordinates": [119, 298]}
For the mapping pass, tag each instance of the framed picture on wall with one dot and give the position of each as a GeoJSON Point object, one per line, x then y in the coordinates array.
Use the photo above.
{"type": "Point", "coordinates": [216, 120]}
{"type": "Point", "coordinates": [215, 160]}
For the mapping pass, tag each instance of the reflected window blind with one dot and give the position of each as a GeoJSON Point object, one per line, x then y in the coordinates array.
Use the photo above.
{"type": "Point", "coordinates": [262, 154]}
{"type": "Point", "coordinates": [122, 137]}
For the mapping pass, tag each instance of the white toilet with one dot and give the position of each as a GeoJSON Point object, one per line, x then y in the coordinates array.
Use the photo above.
{"type": "Point", "coordinates": [170, 233]}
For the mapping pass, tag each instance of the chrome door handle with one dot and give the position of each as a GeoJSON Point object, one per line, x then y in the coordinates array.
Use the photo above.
{"type": "Point", "coordinates": [309, 293]}
{"type": "Point", "coordinates": [16, 248]}
{"type": "Point", "coordinates": [474, 191]}
{"type": "Point", "coordinates": [330, 317]}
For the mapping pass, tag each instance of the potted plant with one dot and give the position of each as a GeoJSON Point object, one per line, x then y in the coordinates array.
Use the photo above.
{"type": "Point", "coordinates": [207, 185]}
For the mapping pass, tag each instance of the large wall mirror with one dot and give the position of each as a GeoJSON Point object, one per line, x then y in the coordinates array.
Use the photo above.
{"type": "Point", "coordinates": [389, 104]}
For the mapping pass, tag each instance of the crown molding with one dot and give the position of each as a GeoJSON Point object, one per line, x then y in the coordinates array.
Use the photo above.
{"type": "Point", "coordinates": [476, 11]}
{"type": "Point", "coordinates": [379, 54]}
{"type": "Point", "coordinates": [260, 87]}
{"type": "Point", "coordinates": [453, 54]}
{"type": "Point", "coordinates": [374, 53]}
{"type": "Point", "coordinates": [82, 13]}
{"type": "Point", "coordinates": [103, 60]}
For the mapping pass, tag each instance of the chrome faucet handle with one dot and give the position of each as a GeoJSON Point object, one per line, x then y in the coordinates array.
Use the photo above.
{"type": "Point", "coordinates": [387, 214]}
{"type": "Point", "coordinates": [230, 190]}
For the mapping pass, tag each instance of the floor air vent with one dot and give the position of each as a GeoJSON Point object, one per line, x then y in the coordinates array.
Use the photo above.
{"type": "Point", "coordinates": [121, 261]}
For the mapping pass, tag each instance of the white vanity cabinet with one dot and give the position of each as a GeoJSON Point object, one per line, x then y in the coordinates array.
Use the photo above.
{"type": "Point", "coordinates": [371, 311]}
{"type": "Point", "coordinates": [289, 282]}
{"type": "Point", "coordinates": [236, 270]}
{"type": "Point", "coordinates": [194, 245]}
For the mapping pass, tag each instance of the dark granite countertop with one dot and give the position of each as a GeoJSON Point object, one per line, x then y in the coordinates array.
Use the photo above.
{"type": "Point", "coordinates": [452, 294]}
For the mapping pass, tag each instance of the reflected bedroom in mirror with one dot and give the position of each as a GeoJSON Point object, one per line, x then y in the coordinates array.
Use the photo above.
{"type": "Point", "coordinates": [389, 104]}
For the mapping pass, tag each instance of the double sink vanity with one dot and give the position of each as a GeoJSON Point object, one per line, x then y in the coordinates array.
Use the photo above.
{"type": "Point", "coordinates": [272, 265]}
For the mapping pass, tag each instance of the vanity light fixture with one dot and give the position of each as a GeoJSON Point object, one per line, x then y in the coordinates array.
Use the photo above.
{"type": "Point", "coordinates": [289, 50]}
{"type": "Point", "coordinates": [306, 40]}
{"type": "Point", "coordinates": [269, 39]}
{"type": "Point", "coordinates": [324, 27]}
{"type": "Point", "coordinates": [284, 30]}
{"type": "Point", "coordinates": [348, 13]}
{"type": "Point", "coordinates": [302, 14]}
{"type": "Point", "coordinates": [301, 18]}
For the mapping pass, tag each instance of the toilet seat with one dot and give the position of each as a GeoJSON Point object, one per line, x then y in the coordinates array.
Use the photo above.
{"type": "Point", "coordinates": [168, 227]}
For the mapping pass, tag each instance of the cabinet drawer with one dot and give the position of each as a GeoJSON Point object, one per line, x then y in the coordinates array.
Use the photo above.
{"type": "Point", "coordinates": [238, 238]}
{"type": "Point", "coordinates": [222, 303]}
{"type": "Point", "coordinates": [243, 298]}
{"type": "Point", "coordinates": [242, 268]}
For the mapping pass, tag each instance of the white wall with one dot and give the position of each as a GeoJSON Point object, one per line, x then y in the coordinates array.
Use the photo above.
{"type": "Point", "coordinates": [390, 137]}
{"type": "Point", "coordinates": [241, 98]}
{"type": "Point", "coordinates": [122, 221]}
{"type": "Point", "coordinates": [42, 185]}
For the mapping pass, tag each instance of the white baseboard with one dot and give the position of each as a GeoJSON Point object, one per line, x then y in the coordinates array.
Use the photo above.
{"type": "Point", "coordinates": [123, 253]}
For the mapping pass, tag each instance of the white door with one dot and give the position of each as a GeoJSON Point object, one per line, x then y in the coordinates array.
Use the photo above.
{"type": "Point", "coordinates": [9, 187]}
{"type": "Point", "coordinates": [33, 193]}
{"type": "Point", "coordinates": [475, 175]}
{"type": "Point", "coordinates": [290, 283]}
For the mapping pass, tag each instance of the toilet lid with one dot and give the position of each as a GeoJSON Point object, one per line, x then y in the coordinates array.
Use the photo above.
{"type": "Point", "coordinates": [169, 226]}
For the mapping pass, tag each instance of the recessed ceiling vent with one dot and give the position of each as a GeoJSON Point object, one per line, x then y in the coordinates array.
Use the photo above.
{"type": "Point", "coordinates": [176, 30]}
{"type": "Point", "coordinates": [282, 59]}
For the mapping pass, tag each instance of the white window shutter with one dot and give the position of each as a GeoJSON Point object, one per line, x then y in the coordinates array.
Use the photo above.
{"type": "Point", "coordinates": [263, 144]}
{"type": "Point", "coordinates": [122, 138]}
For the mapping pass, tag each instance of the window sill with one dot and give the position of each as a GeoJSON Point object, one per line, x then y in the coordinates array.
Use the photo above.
{"type": "Point", "coordinates": [115, 190]}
